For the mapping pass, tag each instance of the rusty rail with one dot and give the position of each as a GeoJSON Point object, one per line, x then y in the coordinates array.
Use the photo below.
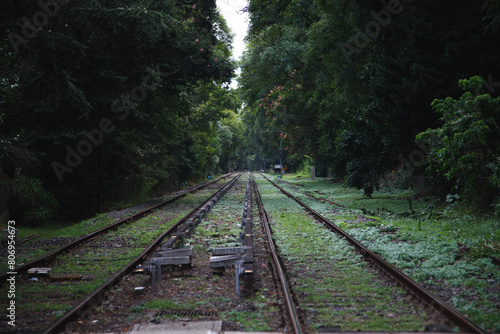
{"type": "Point", "coordinates": [292, 309]}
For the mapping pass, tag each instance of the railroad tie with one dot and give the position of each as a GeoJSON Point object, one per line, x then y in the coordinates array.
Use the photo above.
{"type": "Point", "coordinates": [169, 257]}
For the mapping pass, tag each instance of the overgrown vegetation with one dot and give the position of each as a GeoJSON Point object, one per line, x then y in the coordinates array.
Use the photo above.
{"type": "Point", "coordinates": [441, 245]}
{"type": "Point", "coordinates": [351, 83]}
{"type": "Point", "coordinates": [32, 203]}
{"type": "Point", "coordinates": [329, 278]}
{"type": "Point", "coordinates": [112, 102]}
{"type": "Point", "coordinates": [464, 156]}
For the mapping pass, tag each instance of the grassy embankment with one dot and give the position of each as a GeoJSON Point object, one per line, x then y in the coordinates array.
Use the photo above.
{"type": "Point", "coordinates": [442, 245]}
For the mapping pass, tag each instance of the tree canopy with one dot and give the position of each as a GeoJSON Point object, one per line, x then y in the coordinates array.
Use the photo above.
{"type": "Point", "coordinates": [115, 97]}
{"type": "Point", "coordinates": [103, 99]}
{"type": "Point", "coordinates": [350, 83]}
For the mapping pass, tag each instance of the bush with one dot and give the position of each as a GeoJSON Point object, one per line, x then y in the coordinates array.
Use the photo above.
{"type": "Point", "coordinates": [465, 151]}
{"type": "Point", "coordinates": [145, 189]}
{"type": "Point", "coordinates": [32, 203]}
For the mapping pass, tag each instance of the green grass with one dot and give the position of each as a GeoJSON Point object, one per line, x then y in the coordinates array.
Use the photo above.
{"type": "Point", "coordinates": [24, 231]}
{"type": "Point", "coordinates": [58, 309]}
{"type": "Point", "coordinates": [252, 321]}
{"type": "Point", "coordinates": [168, 304]}
{"type": "Point", "coordinates": [217, 234]}
{"type": "Point", "coordinates": [423, 242]}
{"type": "Point", "coordinates": [337, 282]}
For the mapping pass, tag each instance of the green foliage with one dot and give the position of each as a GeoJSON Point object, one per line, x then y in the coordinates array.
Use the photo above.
{"type": "Point", "coordinates": [136, 308]}
{"type": "Point", "coordinates": [465, 150]}
{"type": "Point", "coordinates": [156, 72]}
{"type": "Point", "coordinates": [492, 8]}
{"type": "Point", "coordinates": [305, 166]}
{"type": "Point", "coordinates": [350, 97]}
{"type": "Point", "coordinates": [428, 244]}
{"type": "Point", "coordinates": [145, 190]}
{"type": "Point", "coordinates": [253, 321]}
{"type": "Point", "coordinates": [32, 203]}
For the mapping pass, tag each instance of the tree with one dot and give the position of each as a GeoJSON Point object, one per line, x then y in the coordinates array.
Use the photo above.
{"type": "Point", "coordinates": [464, 153]}
{"type": "Point", "coordinates": [366, 73]}
{"type": "Point", "coordinates": [101, 91]}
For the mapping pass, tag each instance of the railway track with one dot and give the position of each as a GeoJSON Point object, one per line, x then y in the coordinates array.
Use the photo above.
{"type": "Point", "coordinates": [203, 291]}
{"type": "Point", "coordinates": [22, 269]}
{"type": "Point", "coordinates": [82, 272]}
{"type": "Point", "coordinates": [418, 293]}
{"type": "Point", "coordinates": [285, 277]}
{"type": "Point", "coordinates": [291, 306]}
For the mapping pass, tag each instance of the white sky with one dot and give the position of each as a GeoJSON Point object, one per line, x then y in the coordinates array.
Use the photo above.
{"type": "Point", "coordinates": [238, 23]}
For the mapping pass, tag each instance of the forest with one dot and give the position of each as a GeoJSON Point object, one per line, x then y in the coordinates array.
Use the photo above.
{"type": "Point", "coordinates": [111, 102]}
{"type": "Point", "coordinates": [378, 90]}
{"type": "Point", "coordinates": [106, 101]}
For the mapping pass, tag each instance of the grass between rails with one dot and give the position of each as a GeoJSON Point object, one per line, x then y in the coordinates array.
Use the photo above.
{"type": "Point", "coordinates": [59, 235]}
{"type": "Point", "coordinates": [95, 262]}
{"type": "Point", "coordinates": [427, 243]}
{"type": "Point", "coordinates": [221, 228]}
{"type": "Point", "coordinates": [332, 285]}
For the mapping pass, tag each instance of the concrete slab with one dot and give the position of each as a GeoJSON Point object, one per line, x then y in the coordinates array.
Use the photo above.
{"type": "Point", "coordinates": [224, 260]}
{"type": "Point", "coordinates": [39, 271]}
{"type": "Point", "coordinates": [252, 332]}
{"type": "Point", "coordinates": [180, 327]}
{"type": "Point", "coordinates": [180, 331]}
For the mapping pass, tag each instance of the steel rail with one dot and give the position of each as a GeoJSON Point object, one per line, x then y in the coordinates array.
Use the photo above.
{"type": "Point", "coordinates": [37, 262]}
{"type": "Point", "coordinates": [30, 237]}
{"type": "Point", "coordinates": [411, 286]}
{"type": "Point", "coordinates": [99, 294]}
{"type": "Point", "coordinates": [316, 198]}
{"type": "Point", "coordinates": [292, 309]}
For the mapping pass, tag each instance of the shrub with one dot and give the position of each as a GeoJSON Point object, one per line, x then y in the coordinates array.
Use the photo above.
{"type": "Point", "coordinates": [32, 203]}
{"type": "Point", "coordinates": [465, 151]}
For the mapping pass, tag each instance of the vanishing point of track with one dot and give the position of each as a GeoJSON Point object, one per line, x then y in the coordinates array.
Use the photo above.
{"type": "Point", "coordinates": [294, 313]}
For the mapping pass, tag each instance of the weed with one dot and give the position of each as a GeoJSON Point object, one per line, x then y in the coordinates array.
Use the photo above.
{"type": "Point", "coordinates": [423, 242]}
{"type": "Point", "coordinates": [136, 308]}
{"type": "Point", "coordinates": [251, 321]}
{"type": "Point", "coordinates": [164, 304]}
{"type": "Point", "coordinates": [32, 203]}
